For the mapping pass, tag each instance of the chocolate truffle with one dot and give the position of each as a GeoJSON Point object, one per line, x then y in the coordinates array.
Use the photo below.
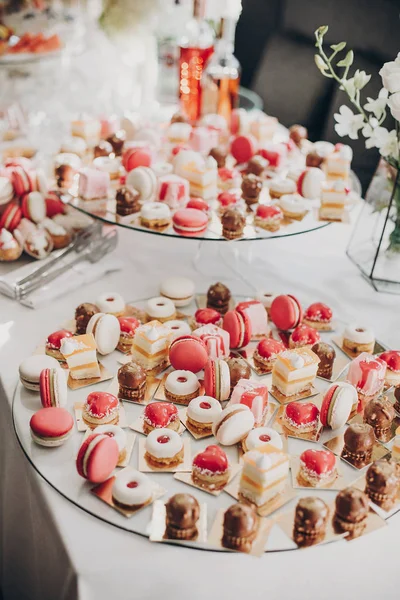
{"type": "Point", "coordinates": [327, 355]}
{"type": "Point", "coordinates": [233, 222]}
{"type": "Point", "coordinates": [182, 513]}
{"type": "Point", "coordinates": [127, 201]}
{"type": "Point", "coordinates": [257, 165]}
{"type": "Point", "coordinates": [218, 297]}
{"type": "Point", "coordinates": [379, 413]}
{"type": "Point", "coordinates": [351, 511]}
{"type": "Point", "coordinates": [251, 188]}
{"type": "Point", "coordinates": [179, 117]}
{"type": "Point", "coordinates": [83, 314]}
{"type": "Point", "coordinates": [64, 176]}
{"type": "Point", "coordinates": [103, 148]}
{"type": "Point", "coordinates": [132, 382]}
{"type": "Point", "coordinates": [382, 483]}
{"type": "Point", "coordinates": [359, 439]}
{"type": "Point", "coordinates": [314, 159]}
{"type": "Point", "coordinates": [219, 155]}
{"type": "Point", "coordinates": [117, 141]}
{"type": "Point", "coordinates": [238, 369]}
{"type": "Point", "coordinates": [396, 405]}
{"type": "Point", "coordinates": [310, 520]}
{"type": "Point", "coordinates": [240, 527]}
{"type": "Point", "coordinates": [298, 133]}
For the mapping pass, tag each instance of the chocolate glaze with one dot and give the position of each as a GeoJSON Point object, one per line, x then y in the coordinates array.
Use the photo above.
{"type": "Point", "coordinates": [379, 413]}
{"type": "Point", "coordinates": [83, 313]}
{"type": "Point", "coordinates": [314, 159]}
{"type": "Point", "coordinates": [327, 355]}
{"type": "Point", "coordinates": [131, 376]}
{"type": "Point", "coordinates": [351, 505]}
{"type": "Point", "coordinates": [127, 201]}
{"type": "Point", "coordinates": [103, 148]}
{"type": "Point", "coordinates": [240, 527]}
{"type": "Point", "coordinates": [311, 515]}
{"type": "Point", "coordinates": [251, 186]}
{"type": "Point", "coordinates": [359, 438]}
{"type": "Point", "coordinates": [219, 155]}
{"type": "Point", "coordinates": [233, 220]}
{"type": "Point", "coordinates": [238, 369]}
{"type": "Point", "coordinates": [117, 141]}
{"type": "Point", "coordinates": [218, 297]}
{"type": "Point", "coordinates": [182, 514]}
{"type": "Point", "coordinates": [257, 165]}
{"type": "Point", "coordinates": [383, 477]}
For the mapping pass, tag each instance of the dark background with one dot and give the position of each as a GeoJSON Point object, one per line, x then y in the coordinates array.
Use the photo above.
{"type": "Point", "coordinates": [275, 46]}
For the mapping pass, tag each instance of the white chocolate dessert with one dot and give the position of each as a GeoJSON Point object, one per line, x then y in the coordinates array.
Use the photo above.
{"type": "Point", "coordinates": [264, 474]}
{"type": "Point", "coordinates": [294, 371]}
{"type": "Point", "coordinates": [333, 200]}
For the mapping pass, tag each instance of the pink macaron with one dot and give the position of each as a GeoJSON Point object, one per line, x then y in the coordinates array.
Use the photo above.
{"type": "Point", "coordinates": [243, 147]}
{"type": "Point", "coordinates": [34, 207]}
{"type": "Point", "coordinates": [11, 217]}
{"type": "Point", "coordinates": [217, 379]}
{"type": "Point", "coordinates": [22, 180]}
{"type": "Point", "coordinates": [190, 222]}
{"type": "Point", "coordinates": [54, 204]}
{"type": "Point", "coordinates": [53, 387]}
{"type": "Point", "coordinates": [188, 353]}
{"type": "Point", "coordinates": [137, 156]}
{"type": "Point", "coordinates": [286, 312]}
{"type": "Point", "coordinates": [97, 457]}
{"type": "Point", "coordinates": [238, 325]}
{"type": "Point", "coordinates": [51, 426]}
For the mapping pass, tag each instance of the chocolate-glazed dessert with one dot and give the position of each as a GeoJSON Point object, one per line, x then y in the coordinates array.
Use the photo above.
{"type": "Point", "coordinates": [83, 313]}
{"type": "Point", "coordinates": [219, 155]}
{"type": "Point", "coordinates": [310, 520]}
{"type": "Point", "coordinates": [103, 148]}
{"type": "Point", "coordinates": [240, 527]}
{"type": "Point", "coordinates": [64, 176]}
{"type": "Point", "coordinates": [127, 199]}
{"type": "Point", "coordinates": [182, 512]}
{"type": "Point", "coordinates": [298, 133]}
{"type": "Point", "coordinates": [238, 369]}
{"type": "Point", "coordinates": [218, 297]}
{"type": "Point", "coordinates": [117, 141]}
{"type": "Point", "coordinates": [396, 405]}
{"type": "Point", "coordinates": [257, 165]}
{"type": "Point", "coordinates": [132, 382]}
{"type": "Point", "coordinates": [351, 511]}
{"type": "Point", "coordinates": [382, 483]}
{"type": "Point", "coordinates": [314, 159]}
{"type": "Point", "coordinates": [233, 222]}
{"type": "Point", "coordinates": [379, 413]}
{"type": "Point", "coordinates": [359, 440]}
{"type": "Point", "coordinates": [251, 188]}
{"type": "Point", "coordinates": [326, 355]}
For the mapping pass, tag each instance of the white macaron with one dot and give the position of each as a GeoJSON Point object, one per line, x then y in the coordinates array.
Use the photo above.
{"type": "Point", "coordinates": [106, 331]}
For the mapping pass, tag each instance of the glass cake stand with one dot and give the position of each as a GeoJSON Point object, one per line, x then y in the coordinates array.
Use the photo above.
{"type": "Point", "coordinates": [57, 465]}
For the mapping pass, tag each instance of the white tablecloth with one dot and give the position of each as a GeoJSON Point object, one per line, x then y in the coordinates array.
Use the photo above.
{"type": "Point", "coordinates": [50, 549]}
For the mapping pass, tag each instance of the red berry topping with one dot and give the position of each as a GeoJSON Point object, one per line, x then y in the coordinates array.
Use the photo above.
{"type": "Point", "coordinates": [304, 335]}
{"type": "Point", "coordinates": [206, 316]}
{"type": "Point", "coordinates": [269, 347]}
{"type": "Point", "coordinates": [318, 312]}
{"type": "Point", "coordinates": [101, 404]}
{"type": "Point", "coordinates": [392, 359]}
{"type": "Point", "coordinates": [128, 324]}
{"type": "Point", "coordinates": [160, 414]}
{"type": "Point", "coordinates": [302, 413]}
{"type": "Point", "coordinates": [318, 461]}
{"type": "Point", "coordinates": [163, 439]}
{"type": "Point", "coordinates": [54, 340]}
{"type": "Point", "coordinates": [227, 198]}
{"type": "Point", "coordinates": [132, 484]}
{"type": "Point", "coordinates": [213, 459]}
{"type": "Point", "coordinates": [266, 211]}
{"type": "Point", "coordinates": [205, 405]}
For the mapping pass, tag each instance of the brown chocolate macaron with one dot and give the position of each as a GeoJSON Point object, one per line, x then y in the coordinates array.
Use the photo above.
{"type": "Point", "coordinates": [233, 222]}
{"type": "Point", "coordinates": [379, 413]}
{"type": "Point", "coordinates": [251, 188]}
{"type": "Point", "coordinates": [359, 440]}
{"type": "Point", "coordinates": [326, 353]}
{"type": "Point", "coordinates": [351, 511]}
{"type": "Point", "coordinates": [240, 527]}
{"type": "Point", "coordinates": [132, 382]}
{"type": "Point", "coordinates": [218, 297]}
{"type": "Point", "coordinates": [83, 313]}
{"type": "Point", "coordinates": [382, 483]}
{"type": "Point", "coordinates": [182, 512]}
{"type": "Point", "coordinates": [127, 201]}
{"type": "Point", "coordinates": [310, 520]}
{"type": "Point", "coordinates": [238, 369]}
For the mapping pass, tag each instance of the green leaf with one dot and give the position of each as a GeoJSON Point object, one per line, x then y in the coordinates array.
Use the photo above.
{"type": "Point", "coordinates": [338, 47]}
{"type": "Point", "coordinates": [347, 60]}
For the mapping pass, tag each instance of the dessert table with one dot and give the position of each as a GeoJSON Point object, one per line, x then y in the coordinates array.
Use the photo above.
{"type": "Point", "coordinates": [52, 549]}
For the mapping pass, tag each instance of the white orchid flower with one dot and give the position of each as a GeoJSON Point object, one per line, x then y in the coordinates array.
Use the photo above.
{"type": "Point", "coordinates": [361, 79]}
{"type": "Point", "coordinates": [347, 123]}
{"type": "Point", "coordinates": [377, 107]}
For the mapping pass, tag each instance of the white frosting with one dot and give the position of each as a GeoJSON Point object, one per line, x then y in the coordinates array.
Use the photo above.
{"type": "Point", "coordinates": [295, 360]}
{"type": "Point", "coordinates": [266, 298]}
{"type": "Point", "coordinates": [160, 308]}
{"type": "Point", "coordinates": [160, 449]}
{"type": "Point", "coordinates": [107, 164]}
{"type": "Point", "coordinates": [211, 163]}
{"type": "Point", "coordinates": [71, 345]}
{"type": "Point", "coordinates": [38, 243]}
{"type": "Point", "coordinates": [366, 336]}
{"type": "Point", "coordinates": [292, 203]}
{"type": "Point", "coordinates": [179, 132]}
{"type": "Point", "coordinates": [283, 186]}
{"type": "Point", "coordinates": [115, 432]}
{"type": "Point", "coordinates": [253, 439]}
{"type": "Point", "coordinates": [204, 409]}
{"type": "Point", "coordinates": [339, 185]}
{"type": "Point", "coordinates": [182, 383]}
{"type": "Point", "coordinates": [155, 210]}
{"type": "Point", "coordinates": [7, 240]}
{"type": "Point", "coordinates": [132, 496]}
{"type": "Point", "coordinates": [236, 427]}
{"type": "Point", "coordinates": [345, 152]}
{"type": "Point", "coordinates": [311, 184]}
{"type": "Point", "coordinates": [178, 328]}
{"type": "Point", "coordinates": [52, 227]}
{"type": "Point", "coordinates": [162, 168]}
{"type": "Point", "coordinates": [110, 302]}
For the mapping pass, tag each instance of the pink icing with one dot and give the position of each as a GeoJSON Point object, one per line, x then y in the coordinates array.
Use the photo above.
{"type": "Point", "coordinates": [367, 374]}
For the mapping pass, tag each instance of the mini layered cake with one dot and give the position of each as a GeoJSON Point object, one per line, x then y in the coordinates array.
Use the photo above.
{"type": "Point", "coordinates": [201, 413]}
{"type": "Point", "coordinates": [318, 467]}
{"type": "Point", "coordinates": [254, 395]}
{"type": "Point", "coordinates": [132, 382]}
{"type": "Point", "coordinates": [100, 408]}
{"type": "Point", "coordinates": [301, 417]}
{"type": "Point", "coordinates": [210, 468]}
{"type": "Point", "coordinates": [319, 316]}
{"type": "Point", "coordinates": [160, 415]}
{"type": "Point", "coordinates": [367, 375]}
{"type": "Point", "coordinates": [181, 386]}
{"type": "Point", "coordinates": [164, 449]}
{"type": "Point", "coordinates": [216, 340]}
{"type": "Point", "coordinates": [264, 474]}
{"type": "Point", "coordinates": [151, 344]}
{"type": "Point", "coordinates": [294, 371]}
{"type": "Point", "coordinates": [80, 355]}
{"type": "Point", "coordinates": [268, 217]}
{"type": "Point", "coordinates": [334, 195]}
